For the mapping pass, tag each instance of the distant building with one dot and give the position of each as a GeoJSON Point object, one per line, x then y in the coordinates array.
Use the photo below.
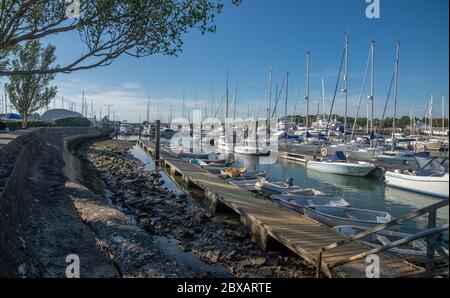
{"type": "Point", "coordinates": [55, 114]}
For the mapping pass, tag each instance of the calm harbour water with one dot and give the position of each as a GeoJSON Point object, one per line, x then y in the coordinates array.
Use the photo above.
{"type": "Point", "coordinates": [364, 193]}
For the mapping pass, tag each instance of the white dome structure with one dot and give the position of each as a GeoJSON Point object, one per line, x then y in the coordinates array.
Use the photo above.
{"type": "Point", "coordinates": [55, 114]}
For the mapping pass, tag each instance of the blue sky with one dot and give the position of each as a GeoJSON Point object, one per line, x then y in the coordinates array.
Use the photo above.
{"type": "Point", "coordinates": [261, 33]}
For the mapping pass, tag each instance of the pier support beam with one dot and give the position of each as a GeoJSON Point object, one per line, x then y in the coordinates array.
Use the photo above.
{"type": "Point", "coordinates": [257, 232]}
{"type": "Point", "coordinates": [216, 205]}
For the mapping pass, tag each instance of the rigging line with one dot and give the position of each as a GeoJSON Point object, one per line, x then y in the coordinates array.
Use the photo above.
{"type": "Point", "coordinates": [219, 108]}
{"type": "Point", "coordinates": [300, 89]}
{"type": "Point", "coordinates": [362, 92]}
{"type": "Point", "coordinates": [278, 97]}
{"type": "Point", "coordinates": [259, 111]}
{"type": "Point", "coordinates": [335, 92]}
{"type": "Point", "coordinates": [386, 102]}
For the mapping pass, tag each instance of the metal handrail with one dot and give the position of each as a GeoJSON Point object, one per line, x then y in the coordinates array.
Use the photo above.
{"type": "Point", "coordinates": [424, 234]}
{"type": "Point", "coordinates": [412, 215]}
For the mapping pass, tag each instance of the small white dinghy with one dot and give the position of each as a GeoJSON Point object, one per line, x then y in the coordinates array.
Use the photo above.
{"type": "Point", "coordinates": [275, 188]}
{"type": "Point", "coordinates": [429, 178]}
{"type": "Point", "coordinates": [341, 216]}
{"type": "Point", "coordinates": [415, 249]}
{"type": "Point", "coordinates": [296, 202]}
{"type": "Point", "coordinates": [248, 184]}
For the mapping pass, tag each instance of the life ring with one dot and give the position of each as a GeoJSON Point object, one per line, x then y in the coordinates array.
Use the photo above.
{"type": "Point", "coordinates": [324, 152]}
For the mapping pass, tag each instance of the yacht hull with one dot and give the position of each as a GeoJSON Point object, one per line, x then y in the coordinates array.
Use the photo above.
{"type": "Point", "coordinates": [433, 186]}
{"type": "Point", "coordinates": [348, 169]}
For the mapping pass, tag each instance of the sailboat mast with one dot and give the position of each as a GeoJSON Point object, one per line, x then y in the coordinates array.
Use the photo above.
{"type": "Point", "coordinates": [443, 116]}
{"type": "Point", "coordinates": [235, 101]}
{"type": "Point", "coordinates": [323, 99]}
{"type": "Point", "coordinates": [184, 104]}
{"type": "Point", "coordinates": [226, 97]}
{"type": "Point", "coordinates": [286, 101]}
{"type": "Point", "coordinates": [431, 114]}
{"type": "Point", "coordinates": [346, 87]}
{"type": "Point", "coordinates": [212, 98]}
{"type": "Point", "coordinates": [372, 91]}
{"type": "Point", "coordinates": [269, 108]}
{"type": "Point", "coordinates": [367, 117]}
{"type": "Point", "coordinates": [148, 110]}
{"type": "Point", "coordinates": [308, 57]}
{"type": "Point", "coordinates": [397, 64]}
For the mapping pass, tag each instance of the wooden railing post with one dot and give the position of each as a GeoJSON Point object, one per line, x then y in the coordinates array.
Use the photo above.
{"type": "Point", "coordinates": [319, 264]}
{"type": "Point", "coordinates": [430, 243]}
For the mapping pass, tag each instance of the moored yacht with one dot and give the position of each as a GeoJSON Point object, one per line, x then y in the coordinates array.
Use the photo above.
{"type": "Point", "coordinates": [250, 148]}
{"type": "Point", "coordinates": [429, 178]}
{"type": "Point", "coordinates": [339, 164]}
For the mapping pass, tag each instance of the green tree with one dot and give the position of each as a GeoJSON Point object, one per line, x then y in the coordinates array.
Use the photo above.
{"type": "Point", "coordinates": [31, 92]}
{"type": "Point", "coordinates": [107, 29]}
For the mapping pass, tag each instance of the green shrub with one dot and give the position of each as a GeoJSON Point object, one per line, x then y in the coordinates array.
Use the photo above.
{"type": "Point", "coordinates": [65, 122]}
{"type": "Point", "coordinates": [13, 125]}
{"type": "Point", "coordinates": [72, 122]}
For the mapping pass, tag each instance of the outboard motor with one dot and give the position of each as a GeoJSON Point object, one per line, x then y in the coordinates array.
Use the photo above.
{"type": "Point", "coordinates": [290, 181]}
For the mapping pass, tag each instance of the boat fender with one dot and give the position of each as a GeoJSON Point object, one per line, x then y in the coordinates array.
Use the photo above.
{"type": "Point", "coordinates": [324, 152]}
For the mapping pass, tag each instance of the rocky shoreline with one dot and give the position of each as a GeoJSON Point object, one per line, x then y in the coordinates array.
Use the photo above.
{"type": "Point", "coordinates": [214, 239]}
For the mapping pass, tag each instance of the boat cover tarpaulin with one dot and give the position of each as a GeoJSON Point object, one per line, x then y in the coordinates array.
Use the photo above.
{"type": "Point", "coordinates": [338, 156]}
{"type": "Point", "coordinates": [429, 167]}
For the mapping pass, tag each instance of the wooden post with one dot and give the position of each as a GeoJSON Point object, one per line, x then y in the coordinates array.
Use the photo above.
{"type": "Point", "coordinates": [430, 246]}
{"type": "Point", "coordinates": [319, 264]}
{"type": "Point", "coordinates": [157, 141]}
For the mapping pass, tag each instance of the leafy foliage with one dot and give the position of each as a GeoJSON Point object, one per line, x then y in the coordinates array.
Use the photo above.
{"type": "Point", "coordinates": [72, 122]}
{"type": "Point", "coordinates": [106, 28]}
{"type": "Point", "coordinates": [31, 92]}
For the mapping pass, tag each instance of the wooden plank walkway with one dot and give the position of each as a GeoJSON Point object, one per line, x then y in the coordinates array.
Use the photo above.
{"type": "Point", "coordinates": [269, 222]}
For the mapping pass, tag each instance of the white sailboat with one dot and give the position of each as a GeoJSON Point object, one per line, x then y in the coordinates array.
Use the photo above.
{"type": "Point", "coordinates": [397, 157]}
{"type": "Point", "coordinates": [248, 147]}
{"type": "Point", "coordinates": [394, 156]}
{"type": "Point", "coordinates": [224, 146]}
{"type": "Point", "coordinates": [338, 164]}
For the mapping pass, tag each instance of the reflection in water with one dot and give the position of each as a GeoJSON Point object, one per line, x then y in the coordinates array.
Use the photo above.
{"type": "Point", "coordinates": [149, 165]}
{"type": "Point", "coordinates": [406, 200]}
{"type": "Point", "coordinates": [189, 260]}
{"type": "Point", "coordinates": [169, 246]}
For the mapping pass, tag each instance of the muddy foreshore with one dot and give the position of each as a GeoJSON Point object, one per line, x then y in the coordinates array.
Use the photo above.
{"type": "Point", "coordinates": [143, 197]}
{"type": "Point", "coordinates": [65, 192]}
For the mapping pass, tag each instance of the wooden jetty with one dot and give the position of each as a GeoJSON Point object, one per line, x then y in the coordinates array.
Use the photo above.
{"type": "Point", "coordinates": [271, 225]}
{"type": "Point", "coordinates": [298, 157]}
